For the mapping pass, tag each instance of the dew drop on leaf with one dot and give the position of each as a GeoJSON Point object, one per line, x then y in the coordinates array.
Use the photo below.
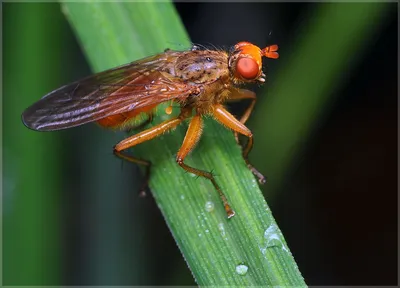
{"type": "Point", "coordinates": [242, 269]}
{"type": "Point", "coordinates": [209, 206]}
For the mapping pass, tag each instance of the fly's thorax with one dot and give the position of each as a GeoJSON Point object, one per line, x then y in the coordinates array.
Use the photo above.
{"type": "Point", "coordinates": [210, 94]}
{"type": "Point", "coordinates": [202, 67]}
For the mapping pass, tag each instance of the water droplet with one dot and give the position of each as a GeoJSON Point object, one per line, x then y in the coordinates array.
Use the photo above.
{"type": "Point", "coordinates": [273, 238]}
{"type": "Point", "coordinates": [241, 269]}
{"type": "Point", "coordinates": [209, 206]}
{"type": "Point", "coordinates": [271, 233]}
{"type": "Point", "coordinates": [200, 235]}
{"type": "Point", "coordinates": [221, 229]}
{"type": "Point", "coordinates": [207, 231]}
{"type": "Point", "coordinates": [183, 197]}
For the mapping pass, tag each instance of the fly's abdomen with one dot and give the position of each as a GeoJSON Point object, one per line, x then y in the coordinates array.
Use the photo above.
{"type": "Point", "coordinates": [126, 119]}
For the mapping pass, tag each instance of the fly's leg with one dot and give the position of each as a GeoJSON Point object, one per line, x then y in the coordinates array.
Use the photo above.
{"type": "Point", "coordinates": [191, 138]}
{"type": "Point", "coordinates": [241, 94]}
{"type": "Point", "coordinates": [143, 137]}
{"type": "Point", "coordinates": [146, 163]}
{"type": "Point", "coordinates": [227, 119]}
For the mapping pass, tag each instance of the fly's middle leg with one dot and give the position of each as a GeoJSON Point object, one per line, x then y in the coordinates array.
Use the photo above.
{"type": "Point", "coordinates": [191, 138]}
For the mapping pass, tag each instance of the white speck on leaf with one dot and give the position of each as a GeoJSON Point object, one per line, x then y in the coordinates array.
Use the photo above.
{"type": "Point", "coordinates": [221, 229]}
{"type": "Point", "coordinates": [273, 239]}
{"type": "Point", "coordinates": [242, 269]}
{"type": "Point", "coordinates": [209, 206]}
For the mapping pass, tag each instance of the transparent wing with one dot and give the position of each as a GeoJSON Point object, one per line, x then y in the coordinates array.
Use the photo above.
{"type": "Point", "coordinates": [122, 89]}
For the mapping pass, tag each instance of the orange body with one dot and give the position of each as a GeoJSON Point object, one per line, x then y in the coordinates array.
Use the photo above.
{"type": "Point", "coordinates": [117, 120]}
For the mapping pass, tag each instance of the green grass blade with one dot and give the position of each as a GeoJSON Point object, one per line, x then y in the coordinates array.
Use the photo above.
{"type": "Point", "coordinates": [32, 236]}
{"type": "Point", "coordinates": [215, 248]}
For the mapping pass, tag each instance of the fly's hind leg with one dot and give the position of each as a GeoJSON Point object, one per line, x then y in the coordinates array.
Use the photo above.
{"type": "Point", "coordinates": [191, 138]}
{"type": "Point", "coordinates": [146, 163]}
{"type": "Point", "coordinates": [143, 137]}
{"type": "Point", "coordinates": [227, 119]}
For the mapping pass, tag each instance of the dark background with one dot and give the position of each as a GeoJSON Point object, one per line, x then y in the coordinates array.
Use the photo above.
{"type": "Point", "coordinates": [337, 207]}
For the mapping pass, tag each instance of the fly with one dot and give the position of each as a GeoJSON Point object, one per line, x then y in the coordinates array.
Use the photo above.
{"type": "Point", "coordinates": [199, 81]}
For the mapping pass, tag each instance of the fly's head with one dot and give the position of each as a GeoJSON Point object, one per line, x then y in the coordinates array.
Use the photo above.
{"type": "Point", "coordinates": [245, 62]}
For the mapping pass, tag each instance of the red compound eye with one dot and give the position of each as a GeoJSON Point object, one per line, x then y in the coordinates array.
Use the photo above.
{"type": "Point", "coordinates": [247, 68]}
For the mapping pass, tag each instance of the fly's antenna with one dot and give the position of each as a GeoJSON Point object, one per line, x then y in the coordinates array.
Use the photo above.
{"type": "Point", "coordinates": [270, 52]}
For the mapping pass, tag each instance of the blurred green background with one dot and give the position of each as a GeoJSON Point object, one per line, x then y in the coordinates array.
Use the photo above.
{"type": "Point", "coordinates": [70, 212]}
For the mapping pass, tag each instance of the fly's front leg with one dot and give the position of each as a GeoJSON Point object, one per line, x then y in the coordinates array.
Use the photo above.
{"type": "Point", "coordinates": [227, 119]}
{"type": "Point", "coordinates": [191, 138]}
{"type": "Point", "coordinates": [143, 137]}
{"type": "Point", "coordinates": [241, 94]}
